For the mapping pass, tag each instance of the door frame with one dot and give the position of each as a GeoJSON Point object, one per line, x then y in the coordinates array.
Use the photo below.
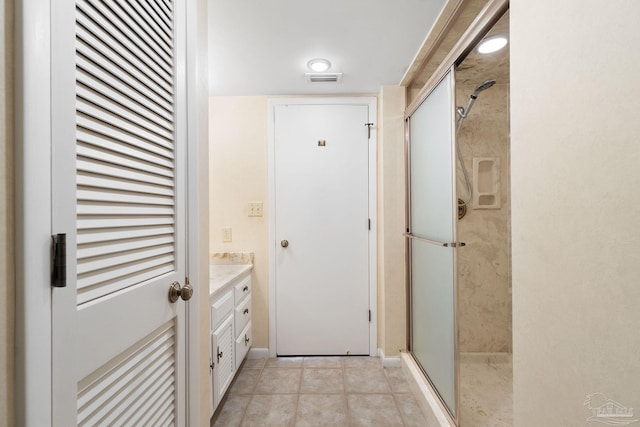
{"type": "Point", "coordinates": [33, 207]}
{"type": "Point", "coordinates": [371, 102]}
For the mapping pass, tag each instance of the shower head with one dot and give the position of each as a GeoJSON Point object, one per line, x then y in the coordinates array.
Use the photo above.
{"type": "Point", "coordinates": [463, 112]}
{"type": "Point", "coordinates": [483, 86]}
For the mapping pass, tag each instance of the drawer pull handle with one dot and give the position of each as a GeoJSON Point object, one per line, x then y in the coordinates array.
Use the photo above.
{"type": "Point", "coordinates": [246, 339]}
{"type": "Point", "coordinates": [245, 289]}
{"type": "Point", "coordinates": [246, 311]}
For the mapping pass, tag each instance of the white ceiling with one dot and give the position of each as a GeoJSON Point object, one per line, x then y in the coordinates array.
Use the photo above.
{"type": "Point", "coordinates": [261, 47]}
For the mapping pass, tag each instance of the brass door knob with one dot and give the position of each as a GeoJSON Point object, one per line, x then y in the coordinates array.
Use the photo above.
{"type": "Point", "coordinates": [284, 243]}
{"type": "Point", "coordinates": [176, 291]}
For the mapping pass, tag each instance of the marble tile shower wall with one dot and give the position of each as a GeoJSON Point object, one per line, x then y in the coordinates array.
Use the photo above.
{"type": "Point", "coordinates": [484, 264]}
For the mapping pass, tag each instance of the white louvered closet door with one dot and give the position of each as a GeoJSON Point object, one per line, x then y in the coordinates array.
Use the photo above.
{"type": "Point", "coordinates": [119, 194]}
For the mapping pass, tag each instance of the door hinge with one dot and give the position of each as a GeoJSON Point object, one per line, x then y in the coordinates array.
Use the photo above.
{"type": "Point", "coordinates": [369, 315]}
{"type": "Point", "coordinates": [369, 223]}
{"type": "Point", "coordinates": [368, 125]}
{"type": "Point", "coordinates": [59, 270]}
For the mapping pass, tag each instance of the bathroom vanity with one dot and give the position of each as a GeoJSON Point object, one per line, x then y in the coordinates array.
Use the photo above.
{"type": "Point", "coordinates": [230, 306]}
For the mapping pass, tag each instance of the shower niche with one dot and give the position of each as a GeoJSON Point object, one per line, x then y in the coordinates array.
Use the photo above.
{"type": "Point", "coordinates": [486, 183]}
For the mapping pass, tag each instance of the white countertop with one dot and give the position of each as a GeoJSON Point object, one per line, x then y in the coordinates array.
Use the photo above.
{"type": "Point", "coordinates": [222, 275]}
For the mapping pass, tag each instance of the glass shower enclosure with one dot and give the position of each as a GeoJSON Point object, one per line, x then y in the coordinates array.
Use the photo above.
{"type": "Point", "coordinates": [432, 241]}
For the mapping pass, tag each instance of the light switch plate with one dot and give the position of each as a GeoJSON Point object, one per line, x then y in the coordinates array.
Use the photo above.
{"type": "Point", "coordinates": [255, 208]}
{"type": "Point", "coordinates": [226, 234]}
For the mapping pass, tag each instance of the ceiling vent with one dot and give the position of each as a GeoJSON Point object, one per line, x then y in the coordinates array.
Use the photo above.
{"type": "Point", "coordinates": [323, 77]}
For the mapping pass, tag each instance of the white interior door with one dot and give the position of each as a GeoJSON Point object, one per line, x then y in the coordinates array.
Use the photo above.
{"type": "Point", "coordinates": [118, 343]}
{"type": "Point", "coordinates": [321, 158]}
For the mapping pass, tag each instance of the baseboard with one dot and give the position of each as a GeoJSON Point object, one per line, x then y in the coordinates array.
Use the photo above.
{"type": "Point", "coordinates": [258, 353]}
{"type": "Point", "coordinates": [389, 362]}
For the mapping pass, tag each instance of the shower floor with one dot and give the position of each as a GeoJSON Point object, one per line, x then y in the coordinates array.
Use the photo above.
{"type": "Point", "coordinates": [486, 386]}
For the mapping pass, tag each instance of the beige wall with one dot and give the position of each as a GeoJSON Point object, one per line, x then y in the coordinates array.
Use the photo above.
{"type": "Point", "coordinates": [6, 215]}
{"type": "Point", "coordinates": [238, 171]}
{"type": "Point", "coordinates": [238, 175]}
{"type": "Point", "coordinates": [391, 222]}
{"type": "Point", "coordinates": [484, 274]}
{"type": "Point", "coordinates": [575, 207]}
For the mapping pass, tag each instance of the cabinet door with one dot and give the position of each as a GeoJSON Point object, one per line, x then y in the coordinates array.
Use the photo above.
{"type": "Point", "coordinates": [223, 356]}
{"type": "Point", "coordinates": [212, 367]}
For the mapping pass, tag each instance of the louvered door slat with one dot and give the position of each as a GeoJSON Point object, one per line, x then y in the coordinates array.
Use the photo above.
{"type": "Point", "coordinates": [94, 287]}
{"type": "Point", "coordinates": [92, 47]}
{"type": "Point", "coordinates": [103, 118]}
{"type": "Point", "coordinates": [143, 385]}
{"type": "Point", "coordinates": [166, 7]}
{"type": "Point", "coordinates": [88, 208]}
{"type": "Point", "coordinates": [109, 261]}
{"type": "Point", "coordinates": [108, 26]}
{"type": "Point", "coordinates": [161, 395]}
{"type": "Point", "coordinates": [153, 11]}
{"type": "Point", "coordinates": [145, 24]}
{"type": "Point", "coordinates": [114, 196]}
{"type": "Point", "coordinates": [113, 183]}
{"type": "Point", "coordinates": [163, 417]}
{"type": "Point", "coordinates": [148, 362]}
{"type": "Point", "coordinates": [93, 388]}
{"type": "Point", "coordinates": [127, 104]}
{"type": "Point", "coordinates": [154, 400]}
{"type": "Point", "coordinates": [115, 77]}
{"type": "Point", "coordinates": [119, 155]}
{"type": "Point", "coordinates": [105, 109]}
{"type": "Point", "coordinates": [117, 201]}
{"type": "Point", "coordinates": [109, 223]}
{"type": "Point", "coordinates": [158, 13]}
{"type": "Point", "coordinates": [86, 166]}
{"type": "Point", "coordinates": [122, 384]}
{"type": "Point", "coordinates": [123, 233]}
{"type": "Point", "coordinates": [98, 399]}
{"type": "Point", "coordinates": [89, 250]}
{"type": "Point", "coordinates": [102, 138]}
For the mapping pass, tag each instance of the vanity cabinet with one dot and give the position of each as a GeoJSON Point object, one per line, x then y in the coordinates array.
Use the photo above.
{"type": "Point", "coordinates": [230, 312]}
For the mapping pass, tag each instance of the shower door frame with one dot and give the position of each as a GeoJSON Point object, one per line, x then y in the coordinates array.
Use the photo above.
{"type": "Point", "coordinates": [455, 413]}
{"type": "Point", "coordinates": [485, 20]}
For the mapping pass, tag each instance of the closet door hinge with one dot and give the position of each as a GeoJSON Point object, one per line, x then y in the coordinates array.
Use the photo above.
{"type": "Point", "coordinates": [59, 264]}
{"type": "Point", "coordinates": [369, 223]}
{"type": "Point", "coordinates": [369, 315]}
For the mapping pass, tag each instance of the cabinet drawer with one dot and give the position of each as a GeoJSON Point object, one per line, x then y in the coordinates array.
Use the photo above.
{"type": "Point", "coordinates": [243, 289]}
{"type": "Point", "coordinates": [243, 315]}
{"type": "Point", "coordinates": [243, 344]}
{"type": "Point", "coordinates": [221, 307]}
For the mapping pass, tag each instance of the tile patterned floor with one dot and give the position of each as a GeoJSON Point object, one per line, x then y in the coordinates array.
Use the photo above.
{"type": "Point", "coordinates": [319, 391]}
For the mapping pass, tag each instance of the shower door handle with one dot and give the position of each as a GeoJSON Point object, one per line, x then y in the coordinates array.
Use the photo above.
{"type": "Point", "coordinates": [435, 242]}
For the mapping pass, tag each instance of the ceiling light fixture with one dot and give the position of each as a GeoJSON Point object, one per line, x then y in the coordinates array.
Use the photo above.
{"type": "Point", "coordinates": [492, 44]}
{"type": "Point", "coordinates": [319, 65]}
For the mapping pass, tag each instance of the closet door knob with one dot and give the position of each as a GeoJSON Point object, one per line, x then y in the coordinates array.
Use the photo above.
{"type": "Point", "coordinates": [284, 243]}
